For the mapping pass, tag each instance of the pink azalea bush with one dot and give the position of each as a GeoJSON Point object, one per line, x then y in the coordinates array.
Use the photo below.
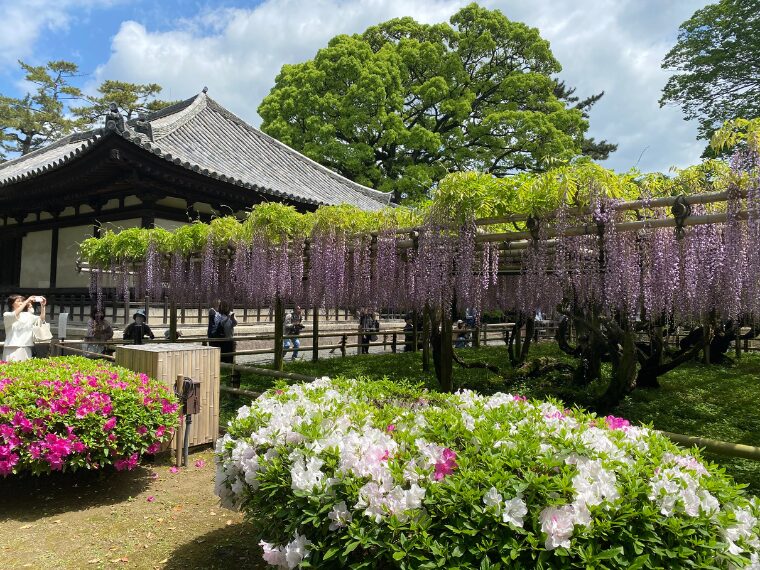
{"type": "Point", "coordinates": [64, 414]}
{"type": "Point", "coordinates": [470, 481]}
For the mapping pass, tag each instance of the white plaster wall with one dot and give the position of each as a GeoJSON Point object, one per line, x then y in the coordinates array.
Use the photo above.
{"type": "Point", "coordinates": [68, 248]}
{"type": "Point", "coordinates": [35, 259]}
{"type": "Point", "coordinates": [170, 225]}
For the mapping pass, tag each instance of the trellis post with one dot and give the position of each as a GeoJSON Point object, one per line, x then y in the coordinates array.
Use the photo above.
{"type": "Point", "coordinates": [315, 334]}
{"type": "Point", "coordinates": [279, 321]}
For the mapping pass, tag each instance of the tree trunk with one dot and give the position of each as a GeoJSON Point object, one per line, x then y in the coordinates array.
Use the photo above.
{"type": "Point", "coordinates": [427, 318]}
{"type": "Point", "coordinates": [530, 326]}
{"type": "Point", "coordinates": [590, 348]}
{"type": "Point", "coordinates": [624, 365]}
{"type": "Point", "coordinates": [443, 349]}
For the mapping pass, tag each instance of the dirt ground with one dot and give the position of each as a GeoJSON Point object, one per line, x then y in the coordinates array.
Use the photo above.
{"type": "Point", "coordinates": [147, 518]}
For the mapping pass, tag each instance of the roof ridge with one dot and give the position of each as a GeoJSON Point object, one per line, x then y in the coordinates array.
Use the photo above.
{"type": "Point", "coordinates": [177, 117]}
{"type": "Point", "coordinates": [370, 192]}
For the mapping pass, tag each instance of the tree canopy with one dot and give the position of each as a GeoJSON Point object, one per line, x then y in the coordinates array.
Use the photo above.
{"type": "Point", "coordinates": [401, 105]}
{"type": "Point", "coordinates": [131, 98]}
{"type": "Point", "coordinates": [29, 122]}
{"type": "Point", "coordinates": [48, 112]}
{"type": "Point", "coordinates": [717, 65]}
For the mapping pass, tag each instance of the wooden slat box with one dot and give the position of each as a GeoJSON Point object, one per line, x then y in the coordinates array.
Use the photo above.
{"type": "Point", "coordinates": [165, 361]}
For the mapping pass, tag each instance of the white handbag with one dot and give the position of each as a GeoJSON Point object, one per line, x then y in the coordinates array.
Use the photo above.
{"type": "Point", "coordinates": [41, 332]}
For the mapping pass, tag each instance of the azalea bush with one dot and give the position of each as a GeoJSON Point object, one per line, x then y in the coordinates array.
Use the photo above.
{"type": "Point", "coordinates": [64, 414]}
{"type": "Point", "coordinates": [354, 474]}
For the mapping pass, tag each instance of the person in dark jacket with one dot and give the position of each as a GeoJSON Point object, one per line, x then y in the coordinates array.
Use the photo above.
{"type": "Point", "coordinates": [138, 328]}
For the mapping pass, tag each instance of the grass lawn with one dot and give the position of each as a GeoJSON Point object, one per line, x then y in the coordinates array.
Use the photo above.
{"type": "Point", "coordinates": [718, 402]}
{"type": "Point", "coordinates": [93, 520]}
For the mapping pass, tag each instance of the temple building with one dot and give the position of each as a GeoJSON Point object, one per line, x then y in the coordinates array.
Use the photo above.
{"type": "Point", "coordinates": [192, 160]}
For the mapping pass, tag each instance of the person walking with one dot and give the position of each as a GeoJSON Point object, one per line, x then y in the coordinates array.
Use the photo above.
{"type": "Point", "coordinates": [221, 326]}
{"type": "Point", "coordinates": [367, 326]}
{"type": "Point", "coordinates": [19, 321]}
{"type": "Point", "coordinates": [292, 328]}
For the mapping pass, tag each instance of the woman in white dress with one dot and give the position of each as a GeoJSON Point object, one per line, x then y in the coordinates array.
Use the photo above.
{"type": "Point", "coordinates": [19, 320]}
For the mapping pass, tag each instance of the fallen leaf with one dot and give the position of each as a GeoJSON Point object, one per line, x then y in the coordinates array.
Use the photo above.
{"type": "Point", "coordinates": [93, 561]}
{"type": "Point", "coordinates": [200, 540]}
{"type": "Point", "coordinates": [229, 522]}
{"type": "Point", "coordinates": [26, 526]}
{"type": "Point", "coordinates": [57, 521]}
{"type": "Point", "coordinates": [164, 561]}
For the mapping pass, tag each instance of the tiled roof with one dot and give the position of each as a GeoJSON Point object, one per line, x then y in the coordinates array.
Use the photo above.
{"type": "Point", "coordinates": [202, 136]}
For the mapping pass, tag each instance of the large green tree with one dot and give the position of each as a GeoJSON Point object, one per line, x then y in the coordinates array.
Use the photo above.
{"type": "Point", "coordinates": [131, 98]}
{"type": "Point", "coordinates": [29, 122]}
{"type": "Point", "coordinates": [402, 104]}
{"type": "Point", "coordinates": [717, 65]}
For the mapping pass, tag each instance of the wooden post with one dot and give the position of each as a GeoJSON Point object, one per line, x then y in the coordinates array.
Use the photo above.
{"type": "Point", "coordinates": [738, 341]}
{"type": "Point", "coordinates": [393, 344]}
{"type": "Point", "coordinates": [476, 337]}
{"type": "Point", "coordinates": [426, 339]}
{"type": "Point", "coordinates": [343, 345]}
{"type": "Point", "coordinates": [279, 321]}
{"type": "Point", "coordinates": [179, 435]}
{"type": "Point", "coordinates": [315, 334]}
{"type": "Point", "coordinates": [447, 354]}
{"type": "Point", "coordinates": [173, 320]}
{"type": "Point", "coordinates": [415, 332]}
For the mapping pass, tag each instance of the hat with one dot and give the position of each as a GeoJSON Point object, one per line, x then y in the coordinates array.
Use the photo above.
{"type": "Point", "coordinates": [460, 321]}
{"type": "Point", "coordinates": [140, 312]}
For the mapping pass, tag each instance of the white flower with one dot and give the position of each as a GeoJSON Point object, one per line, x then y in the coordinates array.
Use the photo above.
{"type": "Point", "coordinates": [306, 476]}
{"type": "Point", "coordinates": [273, 555]}
{"type": "Point", "coordinates": [339, 515]}
{"type": "Point", "coordinates": [514, 511]}
{"type": "Point", "coordinates": [492, 499]}
{"type": "Point", "coordinates": [296, 550]}
{"type": "Point", "coordinates": [557, 523]}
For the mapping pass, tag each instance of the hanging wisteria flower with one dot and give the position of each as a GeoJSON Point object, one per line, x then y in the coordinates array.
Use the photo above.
{"type": "Point", "coordinates": [517, 477]}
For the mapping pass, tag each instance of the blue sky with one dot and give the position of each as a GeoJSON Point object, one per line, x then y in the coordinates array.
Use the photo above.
{"type": "Point", "coordinates": [236, 49]}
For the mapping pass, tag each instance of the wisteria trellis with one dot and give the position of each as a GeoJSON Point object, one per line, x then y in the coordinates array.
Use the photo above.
{"type": "Point", "coordinates": [713, 268]}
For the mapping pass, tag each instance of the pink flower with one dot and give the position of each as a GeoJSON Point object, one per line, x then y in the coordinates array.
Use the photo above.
{"type": "Point", "coordinates": [110, 424]}
{"type": "Point", "coordinates": [167, 407]}
{"type": "Point", "coordinates": [142, 430]}
{"type": "Point", "coordinates": [127, 463]}
{"type": "Point", "coordinates": [78, 447]}
{"type": "Point", "coordinates": [616, 423]}
{"type": "Point", "coordinates": [447, 464]}
{"type": "Point", "coordinates": [151, 499]}
{"type": "Point", "coordinates": [173, 469]}
{"type": "Point", "coordinates": [200, 464]}
{"type": "Point", "coordinates": [518, 398]}
{"type": "Point", "coordinates": [160, 431]}
{"type": "Point", "coordinates": [153, 448]}
{"type": "Point", "coordinates": [390, 428]}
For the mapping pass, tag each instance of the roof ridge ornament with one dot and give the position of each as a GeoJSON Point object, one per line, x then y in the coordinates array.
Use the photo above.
{"type": "Point", "coordinates": [142, 125]}
{"type": "Point", "coordinates": [204, 90]}
{"type": "Point", "coordinates": [114, 119]}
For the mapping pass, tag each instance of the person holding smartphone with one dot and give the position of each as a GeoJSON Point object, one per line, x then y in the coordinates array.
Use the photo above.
{"type": "Point", "coordinates": [19, 320]}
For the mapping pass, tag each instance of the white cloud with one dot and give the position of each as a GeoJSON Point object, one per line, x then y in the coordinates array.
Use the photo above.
{"type": "Point", "coordinates": [610, 45]}
{"type": "Point", "coordinates": [24, 22]}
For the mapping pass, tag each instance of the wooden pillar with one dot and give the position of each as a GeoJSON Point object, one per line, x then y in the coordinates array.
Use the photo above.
{"type": "Point", "coordinates": [315, 334]}
{"type": "Point", "coordinates": [476, 337]}
{"type": "Point", "coordinates": [279, 320]}
{"type": "Point", "coordinates": [54, 258]}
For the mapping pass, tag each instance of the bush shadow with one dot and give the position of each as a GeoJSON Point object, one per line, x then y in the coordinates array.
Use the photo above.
{"type": "Point", "coordinates": [27, 498]}
{"type": "Point", "coordinates": [228, 547]}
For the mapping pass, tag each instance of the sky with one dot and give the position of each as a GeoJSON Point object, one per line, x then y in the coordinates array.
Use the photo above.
{"type": "Point", "coordinates": [236, 48]}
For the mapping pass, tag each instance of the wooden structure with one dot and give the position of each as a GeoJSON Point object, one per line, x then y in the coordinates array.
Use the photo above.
{"type": "Point", "coordinates": [192, 160]}
{"type": "Point", "coordinates": [165, 362]}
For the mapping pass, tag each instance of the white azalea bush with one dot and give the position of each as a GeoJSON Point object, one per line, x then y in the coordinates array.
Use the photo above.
{"type": "Point", "coordinates": [352, 474]}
